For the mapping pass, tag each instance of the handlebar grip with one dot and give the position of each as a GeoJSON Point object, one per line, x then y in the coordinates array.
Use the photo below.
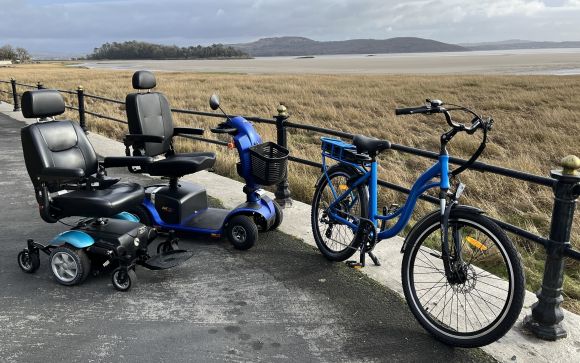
{"type": "Point", "coordinates": [412, 110]}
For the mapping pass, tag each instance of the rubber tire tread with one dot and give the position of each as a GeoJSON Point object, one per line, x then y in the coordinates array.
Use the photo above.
{"type": "Point", "coordinates": [518, 283]}
{"type": "Point", "coordinates": [361, 190]}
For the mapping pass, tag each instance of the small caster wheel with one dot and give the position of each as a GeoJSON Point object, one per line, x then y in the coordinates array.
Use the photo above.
{"type": "Point", "coordinates": [123, 279]}
{"type": "Point", "coordinates": [69, 265]}
{"type": "Point", "coordinates": [242, 232]}
{"type": "Point", "coordinates": [279, 216]}
{"type": "Point", "coordinates": [28, 261]}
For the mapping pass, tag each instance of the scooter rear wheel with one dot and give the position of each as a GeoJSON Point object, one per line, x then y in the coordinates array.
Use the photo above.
{"type": "Point", "coordinates": [242, 232]}
{"type": "Point", "coordinates": [279, 216]}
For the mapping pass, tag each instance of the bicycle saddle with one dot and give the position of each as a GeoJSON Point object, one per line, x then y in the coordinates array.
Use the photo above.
{"type": "Point", "coordinates": [370, 145]}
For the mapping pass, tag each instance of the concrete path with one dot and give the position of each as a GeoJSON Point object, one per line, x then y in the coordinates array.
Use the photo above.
{"type": "Point", "coordinates": [516, 346]}
{"type": "Point", "coordinates": [280, 301]}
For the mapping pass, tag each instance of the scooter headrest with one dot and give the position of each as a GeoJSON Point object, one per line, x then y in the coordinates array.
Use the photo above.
{"type": "Point", "coordinates": [42, 103]}
{"type": "Point", "coordinates": [143, 80]}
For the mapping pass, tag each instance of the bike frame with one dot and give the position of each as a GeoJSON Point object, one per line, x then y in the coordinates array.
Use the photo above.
{"type": "Point", "coordinates": [369, 177]}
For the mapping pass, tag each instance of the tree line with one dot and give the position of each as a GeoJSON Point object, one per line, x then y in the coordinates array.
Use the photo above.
{"type": "Point", "coordinates": [143, 50]}
{"type": "Point", "coordinates": [8, 52]}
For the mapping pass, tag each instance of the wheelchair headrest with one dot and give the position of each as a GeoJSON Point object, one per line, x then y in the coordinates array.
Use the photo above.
{"type": "Point", "coordinates": [143, 80]}
{"type": "Point", "coordinates": [42, 103]}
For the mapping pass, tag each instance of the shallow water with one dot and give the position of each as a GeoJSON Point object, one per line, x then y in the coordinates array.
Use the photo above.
{"type": "Point", "coordinates": [564, 61]}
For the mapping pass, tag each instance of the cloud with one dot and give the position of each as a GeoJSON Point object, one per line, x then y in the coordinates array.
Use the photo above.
{"type": "Point", "coordinates": [80, 25]}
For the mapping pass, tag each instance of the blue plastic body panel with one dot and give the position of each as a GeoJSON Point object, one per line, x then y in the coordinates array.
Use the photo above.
{"type": "Point", "coordinates": [264, 207]}
{"type": "Point", "coordinates": [77, 239]}
{"type": "Point", "coordinates": [126, 216]}
{"type": "Point", "coordinates": [245, 138]}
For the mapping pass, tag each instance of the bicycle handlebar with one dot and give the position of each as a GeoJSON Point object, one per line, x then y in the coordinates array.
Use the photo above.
{"type": "Point", "coordinates": [436, 106]}
{"type": "Point", "coordinates": [412, 110]}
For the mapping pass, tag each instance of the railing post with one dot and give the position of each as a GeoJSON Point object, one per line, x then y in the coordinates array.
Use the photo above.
{"type": "Point", "coordinates": [39, 85]}
{"type": "Point", "coordinates": [283, 196]}
{"type": "Point", "coordinates": [545, 322]}
{"type": "Point", "coordinates": [15, 95]}
{"type": "Point", "coordinates": [81, 103]}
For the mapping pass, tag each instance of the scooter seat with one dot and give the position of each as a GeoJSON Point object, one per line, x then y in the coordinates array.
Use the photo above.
{"type": "Point", "coordinates": [99, 203]}
{"type": "Point", "coordinates": [178, 165]}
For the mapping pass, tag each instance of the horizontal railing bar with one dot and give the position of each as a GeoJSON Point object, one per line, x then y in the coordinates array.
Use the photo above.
{"type": "Point", "coordinates": [322, 130]}
{"type": "Point", "coordinates": [479, 166]}
{"type": "Point", "coordinates": [72, 108]}
{"type": "Point", "coordinates": [26, 85]}
{"type": "Point", "coordinates": [220, 115]}
{"type": "Point", "coordinates": [106, 117]}
{"type": "Point", "coordinates": [1, 81]}
{"type": "Point", "coordinates": [516, 174]}
{"type": "Point", "coordinates": [305, 162]}
{"type": "Point", "coordinates": [211, 141]}
{"type": "Point", "coordinates": [572, 253]}
{"type": "Point", "coordinates": [428, 198]}
{"type": "Point", "coordinates": [66, 91]}
{"type": "Point", "coordinates": [104, 99]}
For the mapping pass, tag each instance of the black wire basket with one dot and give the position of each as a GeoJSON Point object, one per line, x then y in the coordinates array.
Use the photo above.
{"type": "Point", "coordinates": [269, 163]}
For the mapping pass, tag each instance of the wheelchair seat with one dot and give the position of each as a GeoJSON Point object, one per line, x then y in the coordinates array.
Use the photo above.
{"type": "Point", "coordinates": [149, 114]}
{"type": "Point", "coordinates": [63, 165]}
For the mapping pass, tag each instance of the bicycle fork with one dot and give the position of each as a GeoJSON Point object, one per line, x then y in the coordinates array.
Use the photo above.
{"type": "Point", "coordinates": [450, 265]}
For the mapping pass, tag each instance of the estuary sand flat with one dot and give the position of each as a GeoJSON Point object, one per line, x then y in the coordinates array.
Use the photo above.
{"type": "Point", "coordinates": [538, 61]}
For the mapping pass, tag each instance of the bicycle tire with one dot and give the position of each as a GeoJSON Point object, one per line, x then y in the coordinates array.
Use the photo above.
{"type": "Point", "coordinates": [349, 244]}
{"type": "Point", "coordinates": [426, 311]}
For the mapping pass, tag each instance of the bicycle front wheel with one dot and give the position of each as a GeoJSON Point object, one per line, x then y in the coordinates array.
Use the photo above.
{"type": "Point", "coordinates": [335, 240]}
{"type": "Point", "coordinates": [483, 296]}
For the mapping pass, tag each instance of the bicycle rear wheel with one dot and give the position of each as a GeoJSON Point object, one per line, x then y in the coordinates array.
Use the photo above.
{"type": "Point", "coordinates": [337, 241]}
{"type": "Point", "coordinates": [482, 299]}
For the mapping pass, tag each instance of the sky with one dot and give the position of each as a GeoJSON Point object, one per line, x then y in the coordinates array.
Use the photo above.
{"type": "Point", "coordinates": [77, 26]}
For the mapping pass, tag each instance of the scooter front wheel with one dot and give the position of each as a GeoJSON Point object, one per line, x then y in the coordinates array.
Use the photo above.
{"type": "Point", "coordinates": [28, 261]}
{"type": "Point", "coordinates": [242, 232]}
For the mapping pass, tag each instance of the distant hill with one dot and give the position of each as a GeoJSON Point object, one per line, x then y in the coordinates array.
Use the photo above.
{"type": "Point", "coordinates": [520, 44]}
{"type": "Point", "coordinates": [299, 46]}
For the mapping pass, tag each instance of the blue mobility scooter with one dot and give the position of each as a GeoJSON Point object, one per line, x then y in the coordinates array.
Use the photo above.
{"type": "Point", "coordinates": [183, 207]}
{"type": "Point", "coordinates": [69, 181]}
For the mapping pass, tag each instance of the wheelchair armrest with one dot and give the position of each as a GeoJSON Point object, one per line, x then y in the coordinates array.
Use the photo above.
{"type": "Point", "coordinates": [122, 161]}
{"type": "Point", "coordinates": [131, 139]}
{"type": "Point", "coordinates": [187, 131]}
{"type": "Point", "coordinates": [56, 173]}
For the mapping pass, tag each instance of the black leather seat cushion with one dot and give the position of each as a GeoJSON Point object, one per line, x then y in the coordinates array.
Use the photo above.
{"type": "Point", "coordinates": [179, 165]}
{"type": "Point", "coordinates": [100, 203]}
{"type": "Point", "coordinates": [370, 145]}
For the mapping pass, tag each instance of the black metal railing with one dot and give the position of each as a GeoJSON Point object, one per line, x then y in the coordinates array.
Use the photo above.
{"type": "Point", "coordinates": [545, 320]}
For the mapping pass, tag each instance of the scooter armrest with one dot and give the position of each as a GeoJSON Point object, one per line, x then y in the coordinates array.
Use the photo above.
{"type": "Point", "coordinates": [131, 139]}
{"type": "Point", "coordinates": [55, 173]}
{"type": "Point", "coordinates": [187, 131]}
{"type": "Point", "coordinates": [122, 161]}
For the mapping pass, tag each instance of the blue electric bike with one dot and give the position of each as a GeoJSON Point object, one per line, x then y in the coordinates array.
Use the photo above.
{"type": "Point", "coordinates": [461, 274]}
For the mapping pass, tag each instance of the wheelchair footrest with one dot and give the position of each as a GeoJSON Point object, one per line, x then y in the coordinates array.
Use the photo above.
{"type": "Point", "coordinates": [167, 260]}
